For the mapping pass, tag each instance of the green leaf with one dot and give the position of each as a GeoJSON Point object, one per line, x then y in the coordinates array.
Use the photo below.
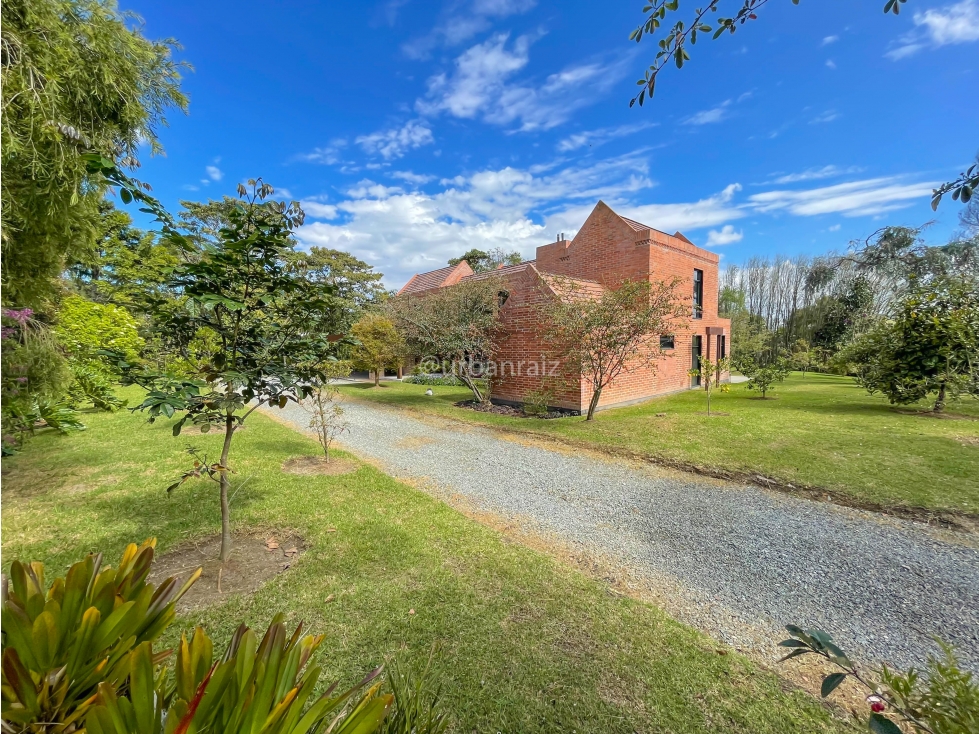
{"type": "Point", "coordinates": [126, 196]}
{"type": "Point", "coordinates": [880, 724]}
{"type": "Point", "coordinates": [830, 683]}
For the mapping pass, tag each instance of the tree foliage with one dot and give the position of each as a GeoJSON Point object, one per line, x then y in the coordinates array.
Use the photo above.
{"type": "Point", "coordinates": [86, 330]}
{"type": "Point", "coordinates": [483, 261]}
{"type": "Point", "coordinates": [458, 325]}
{"type": "Point", "coordinates": [930, 348]}
{"type": "Point", "coordinates": [604, 335]}
{"type": "Point", "coordinates": [77, 79]}
{"type": "Point", "coordinates": [378, 345]}
{"type": "Point", "coordinates": [260, 312]}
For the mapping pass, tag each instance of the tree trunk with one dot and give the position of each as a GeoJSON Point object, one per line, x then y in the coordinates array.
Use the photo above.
{"type": "Point", "coordinates": [229, 431]}
{"type": "Point", "coordinates": [377, 378]}
{"type": "Point", "coordinates": [471, 384]}
{"type": "Point", "coordinates": [708, 402]}
{"type": "Point", "coordinates": [940, 401]}
{"type": "Point", "coordinates": [593, 404]}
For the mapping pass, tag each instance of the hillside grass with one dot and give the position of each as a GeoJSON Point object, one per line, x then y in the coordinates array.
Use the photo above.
{"type": "Point", "coordinates": [527, 644]}
{"type": "Point", "coordinates": [820, 431]}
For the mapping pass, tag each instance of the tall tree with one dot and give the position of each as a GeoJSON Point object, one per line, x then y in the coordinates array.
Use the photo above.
{"type": "Point", "coordinates": [76, 79]}
{"type": "Point", "coordinates": [355, 286]}
{"type": "Point", "coordinates": [246, 293]}
{"type": "Point", "coordinates": [601, 335]}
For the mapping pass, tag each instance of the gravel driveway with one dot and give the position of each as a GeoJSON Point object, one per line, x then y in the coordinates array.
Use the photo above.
{"type": "Point", "coordinates": [738, 562]}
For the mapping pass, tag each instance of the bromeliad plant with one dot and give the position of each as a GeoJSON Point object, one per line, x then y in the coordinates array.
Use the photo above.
{"type": "Point", "coordinates": [65, 642]}
{"type": "Point", "coordinates": [248, 294]}
{"type": "Point", "coordinates": [945, 701]}
{"type": "Point", "coordinates": [78, 657]}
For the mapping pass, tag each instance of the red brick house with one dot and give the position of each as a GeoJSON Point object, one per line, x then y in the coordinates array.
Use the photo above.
{"type": "Point", "coordinates": [607, 250]}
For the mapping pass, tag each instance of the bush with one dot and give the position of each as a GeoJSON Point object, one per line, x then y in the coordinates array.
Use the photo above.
{"type": "Point", "coordinates": [536, 402]}
{"type": "Point", "coordinates": [92, 386]}
{"type": "Point", "coordinates": [444, 380]}
{"type": "Point", "coordinates": [78, 655]}
{"type": "Point", "coordinates": [87, 329]}
{"type": "Point", "coordinates": [945, 701]}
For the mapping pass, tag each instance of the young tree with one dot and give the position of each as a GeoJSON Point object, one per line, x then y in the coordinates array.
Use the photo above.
{"type": "Point", "coordinates": [764, 375]}
{"type": "Point", "coordinates": [710, 376]}
{"type": "Point", "coordinates": [244, 292]}
{"type": "Point", "coordinates": [457, 324]}
{"type": "Point", "coordinates": [930, 348]}
{"type": "Point", "coordinates": [604, 334]}
{"type": "Point", "coordinates": [326, 414]}
{"type": "Point", "coordinates": [379, 345]}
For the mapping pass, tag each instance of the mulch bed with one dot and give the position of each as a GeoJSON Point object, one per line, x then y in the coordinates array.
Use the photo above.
{"type": "Point", "coordinates": [510, 410]}
{"type": "Point", "coordinates": [307, 465]}
{"type": "Point", "coordinates": [254, 560]}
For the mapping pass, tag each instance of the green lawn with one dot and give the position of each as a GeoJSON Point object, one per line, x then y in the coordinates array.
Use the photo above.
{"type": "Point", "coordinates": [527, 644]}
{"type": "Point", "coordinates": [819, 431]}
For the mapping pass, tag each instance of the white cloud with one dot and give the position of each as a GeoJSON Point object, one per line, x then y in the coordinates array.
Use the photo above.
{"type": "Point", "coordinates": [317, 210]}
{"type": "Point", "coordinates": [214, 173]}
{"type": "Point", "coordinates": [601, 136]}
{"type": "Point", "coordinates": [835, 228]}
{"type": "Point", "coordinates": [827, 116]}
{"type": "Point", "coordinates": [413, 178]}
{"type": "Point", "coordinates": [830, 64]}
{"type": "Point", "coordinates": [327, 155]}
{"type": "Point", "coordinates": [479, 87]}
{"type": "Point", "coordinates": [395, 142]}
{"type": "Point", "coordinates": [951, 24]}
{"type": "Point", "coordinates": [709, 212]}
{"type": "Point", "coordinates": [811, 174]}
{"type": "Point", "coordinates": [830, 39]}
{"type": "Point", "coordinates": [706, 117]}
{"type": "Point", "coordinates": [725, 236]}
{"type": "Point", "coordinates": [852, 199]}
{"type": "Point", "coordinates": [459, 23]}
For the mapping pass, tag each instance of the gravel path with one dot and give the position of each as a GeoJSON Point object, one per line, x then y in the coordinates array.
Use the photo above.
{"type": "Point", "coordinates": [738, 562]}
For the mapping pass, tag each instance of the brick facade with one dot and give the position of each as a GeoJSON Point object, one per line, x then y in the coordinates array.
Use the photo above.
{"type": "Point", "coordinates": [607, 250]}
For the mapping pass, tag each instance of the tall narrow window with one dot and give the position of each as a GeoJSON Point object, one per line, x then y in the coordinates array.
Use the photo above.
{"type": "Point", "coordinates": [698, 294]}
{"type": "Point", "coordinates": [721, 347]}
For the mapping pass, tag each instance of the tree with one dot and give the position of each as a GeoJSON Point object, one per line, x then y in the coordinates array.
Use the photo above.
{"type": "Point", "coordinates": [684, 33]}
{"type": "Point", "coordinates": [127, 267]}
{"type": "Point", "coordinates": [482, 262]}
{"type": "Point", "coordinates": [378, 345]}
{"type": "Point", "coordinates": [260, 311]}
{"type": "Point", "coordinates": [930, 348]}
{"type": "Point", "coordinates": [76, 79]}
{"type": "Point", "coordinates": [458, 325]}
{"type": "Point", "coordinates": [602, 335]}
{"type": "Point", "coordinates": [710, 373]}
{"type": "Point", "coordinates": [326, 415]}
{"type": "Point", "coordinates": [355, 285]}
{"type": "Point", "coordinates": [764, 375]}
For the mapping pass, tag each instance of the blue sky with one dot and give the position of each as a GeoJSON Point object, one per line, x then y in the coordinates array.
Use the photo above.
{"type": "Point", "coordinates": [413, 131]}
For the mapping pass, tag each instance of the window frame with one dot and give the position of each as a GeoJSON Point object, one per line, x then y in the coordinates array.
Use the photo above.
{"type": "Point", "coordinates": [698, 293]}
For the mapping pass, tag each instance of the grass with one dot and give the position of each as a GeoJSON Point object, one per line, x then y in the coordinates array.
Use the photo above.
{"type": "Point", "coordinates": [819, 431]}
{"type": "Point", "coordinates": [528, 644]}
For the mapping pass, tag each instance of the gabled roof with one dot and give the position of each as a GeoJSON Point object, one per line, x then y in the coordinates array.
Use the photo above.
{"type": "Point", "coordinates": [501, 271]}
{"type": "Point", "coordinates": [437, 278]}
{"type": "Point", "coordinates": [573, 289]}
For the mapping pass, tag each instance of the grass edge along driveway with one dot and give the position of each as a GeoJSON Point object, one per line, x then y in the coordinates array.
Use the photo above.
{"type": "Point", "coordinates": [820, 432]}
{"type": "Point", "coordinates": [527, 644]}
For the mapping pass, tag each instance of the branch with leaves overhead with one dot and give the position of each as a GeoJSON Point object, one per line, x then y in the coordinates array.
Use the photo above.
{"type": "Point", "coordinates": [683, 34]}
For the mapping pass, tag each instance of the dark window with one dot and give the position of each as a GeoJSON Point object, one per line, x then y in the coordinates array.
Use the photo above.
{"type": "Point", "coordinates": [503, 296]}
{"type": "Point", "coordinates": [698, 294]}
{"type": "Point", "coordinates": [666, 341]}
{"type": "Point", "coordinates": [696, 348]}
{"type": "Point", "coordinates": [721, 347]}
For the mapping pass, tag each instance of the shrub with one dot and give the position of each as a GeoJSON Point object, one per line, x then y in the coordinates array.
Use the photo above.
{"type": "Point", "coordinates": [536, 401]}
{"type": "Point", "coordinates": [92, 386]}
{"type": "Point", "coordinates": [444, 380]}
{"type": "Point", "coordinates": [78, 656]}
{"type": "Point", "coordinates": [86, 329]}
{"type": "Point", "coordinates": [944, 701]}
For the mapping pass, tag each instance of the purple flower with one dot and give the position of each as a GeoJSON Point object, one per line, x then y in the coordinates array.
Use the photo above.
{"type": "Point", "coordinates": [7, 331]}
{"type": "Point", "coordinates": [20, 316]}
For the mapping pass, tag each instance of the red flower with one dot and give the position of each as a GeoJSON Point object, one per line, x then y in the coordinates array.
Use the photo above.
{"type": "Point", "coordinates": [876, 704]}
